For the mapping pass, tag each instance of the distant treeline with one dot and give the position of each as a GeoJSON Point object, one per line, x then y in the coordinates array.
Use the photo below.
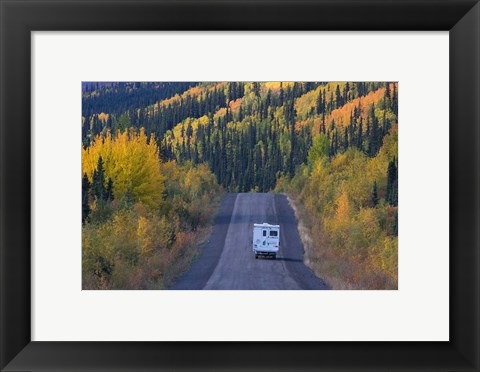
{"type": "Point", "coordinates": [117, 98]}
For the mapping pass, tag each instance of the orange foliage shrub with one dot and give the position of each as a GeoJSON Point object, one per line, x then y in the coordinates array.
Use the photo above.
{"type": "Point", "coordinates": [103, 117]}
{"type": "Point", "coordinates": [235, 105]}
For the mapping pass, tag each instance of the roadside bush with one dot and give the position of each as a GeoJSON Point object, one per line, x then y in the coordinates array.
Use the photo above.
{"type": "Point", "coordinates": [144, 240]}
{"type": "Point", "coordinates": [351, 243]}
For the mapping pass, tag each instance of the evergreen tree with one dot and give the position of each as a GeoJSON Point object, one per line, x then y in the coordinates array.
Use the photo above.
{"type": "Point", "coordinates": [98, 181]}
{"type": "Point", "coordinates": [345, 140]}
{"type": "Point", "coordinates": [256, 89]}
{"type": "Point", "coordinates": [374, 194]}
{"type": "Point", "coordinates": [385, 124]}
{"type": "Point", "coordinates": [332, 125]}
{"type": "Point", "coordinates": [85, 195]}
{"type": "Point", "coordinates": [319, 103]}
{"type": "Point", "coordinates": [324, 101]}
{"type": "Point", "coordinates": [346, 92]}
{"type": "Point", "coordinates": [395, 224]}
{"type": "Point", "coordinates": [281, 95]}
{"type": "Point", "coordinates": [360, 135]}
{"type": "Point", "coordinates": [322, 126]}
{"type": "Point", "coordinates": [392, 183]}
{"type": "Point", "coordinates": [394, 101]}
{"type": "Point", "coordinates": [189, 131]}
{"type": "Point", "coordinates": [109, 191]}
{"type": "Point", "coordinates": [338, 97]}
{"type": "Point", "coordinates": [292, 141]}
{"type": "Point", "coordinates": [374, 142]}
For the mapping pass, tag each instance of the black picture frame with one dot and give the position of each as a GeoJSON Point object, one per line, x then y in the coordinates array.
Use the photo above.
{"type": "Point", "coordinates": [19, 17]}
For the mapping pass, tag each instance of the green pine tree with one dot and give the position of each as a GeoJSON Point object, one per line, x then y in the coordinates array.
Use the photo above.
{"type": "Point", "coordinates": [395, 224]}
{"type": "Point", "coordinates": [85, 195]}
{"type": "Point", "coordinates": [374, 194]}
{"type": "Point", "coordinates": [392, 183]}
{"type": "Point", "coordinates": [338, 98]}
{"type": "Point", "coordinates": [109, 191]}
{"type": "Point", "coordinates": [98, 181]}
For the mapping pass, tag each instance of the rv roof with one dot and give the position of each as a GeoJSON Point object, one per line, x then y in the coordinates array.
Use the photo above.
{"type": "Point", "coordinates": [265, 225]}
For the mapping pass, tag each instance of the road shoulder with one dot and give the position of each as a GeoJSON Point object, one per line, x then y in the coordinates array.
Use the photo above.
{"type": "Point", "coordinates": [303, 275]}
{"type": "Point", "coordinates": [210, 252]}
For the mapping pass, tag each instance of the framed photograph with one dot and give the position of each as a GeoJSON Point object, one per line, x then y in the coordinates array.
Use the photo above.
{"type": "Point", "coordinates": [239, 185]}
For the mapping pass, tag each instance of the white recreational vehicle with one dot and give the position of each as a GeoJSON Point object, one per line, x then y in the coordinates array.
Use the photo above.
{"type": "Point", "coordinates": [266, 239]}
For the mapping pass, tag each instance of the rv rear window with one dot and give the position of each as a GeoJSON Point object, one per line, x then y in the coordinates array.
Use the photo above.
{"type": "Point", "coordinates": [273, 233]}
{"type": "Point", "coordinates": [264, 232]}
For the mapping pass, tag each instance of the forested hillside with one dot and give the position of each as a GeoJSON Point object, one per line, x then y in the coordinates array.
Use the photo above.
{"type": "Point", "coordinates": [155, 154]}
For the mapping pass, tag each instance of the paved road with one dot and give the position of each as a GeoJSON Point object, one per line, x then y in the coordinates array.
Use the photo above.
{"type": "Point", "coordinates": [227, 262]}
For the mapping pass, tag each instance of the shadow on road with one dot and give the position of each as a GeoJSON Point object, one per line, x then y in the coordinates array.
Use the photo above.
{"type": "Point", "coordinates": [286, 259]}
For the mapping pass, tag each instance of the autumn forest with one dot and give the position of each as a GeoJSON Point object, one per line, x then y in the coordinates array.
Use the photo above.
{"type": "Point", "coordinates": [157, 158]}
